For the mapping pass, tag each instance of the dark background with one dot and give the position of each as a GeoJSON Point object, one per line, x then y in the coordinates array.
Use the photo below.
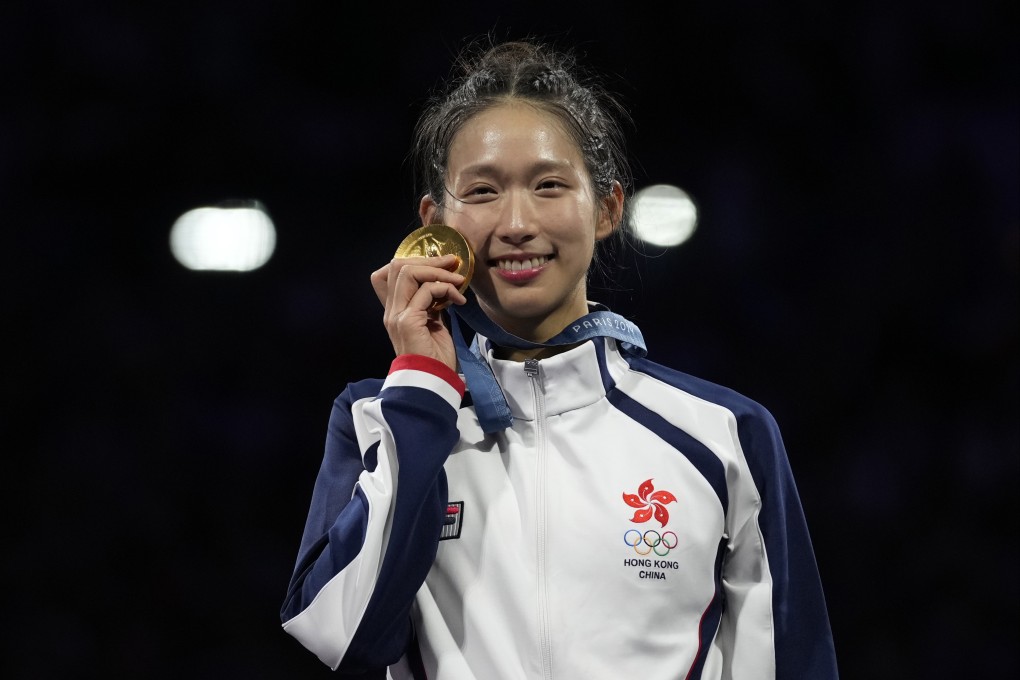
{"type": "Point", "coordinates": [855, 270]}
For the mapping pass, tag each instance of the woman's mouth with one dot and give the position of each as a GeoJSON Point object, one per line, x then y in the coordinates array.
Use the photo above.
{"type": "Point", "coordinates": [519, 265]}
{"type": "Point", "coordinates": [520, 270]}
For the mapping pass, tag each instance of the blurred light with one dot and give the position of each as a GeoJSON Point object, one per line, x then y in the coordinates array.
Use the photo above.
{"type": "Point", "coordinates": [663, 215]}
{"type": "Point", "coordinates": [235, 236]}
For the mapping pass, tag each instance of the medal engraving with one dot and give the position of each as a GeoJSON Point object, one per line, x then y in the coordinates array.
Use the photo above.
{"type": "Point", "coordinates": [434, 240]}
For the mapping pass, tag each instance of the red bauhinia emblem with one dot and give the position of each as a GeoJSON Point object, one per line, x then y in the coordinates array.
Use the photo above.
{"type": "Point", "coordinates": [649, 503]}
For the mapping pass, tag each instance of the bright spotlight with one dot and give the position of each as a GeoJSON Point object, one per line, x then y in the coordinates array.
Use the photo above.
{"type": "Point", "coordinates": [663, 215]}
{"type": "Point", "coordinates": [236, 236]}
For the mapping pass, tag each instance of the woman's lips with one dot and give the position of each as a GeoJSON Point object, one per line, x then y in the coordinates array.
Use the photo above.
{"type": "Point", "coordinates": [520, 269]}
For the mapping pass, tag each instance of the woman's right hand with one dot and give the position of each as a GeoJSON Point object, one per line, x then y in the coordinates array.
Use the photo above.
{"type": "Point", "coordinates": [407, 287]}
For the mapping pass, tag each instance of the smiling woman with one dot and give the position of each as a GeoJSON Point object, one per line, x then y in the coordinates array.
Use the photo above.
{"type": "Point", "coordinates": [520, 193]}
{"type": "Point", "coordinates": [435, 544]}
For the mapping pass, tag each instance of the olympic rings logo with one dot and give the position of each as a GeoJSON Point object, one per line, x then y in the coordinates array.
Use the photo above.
{"type": "Point", "coordinates": [651, 541]}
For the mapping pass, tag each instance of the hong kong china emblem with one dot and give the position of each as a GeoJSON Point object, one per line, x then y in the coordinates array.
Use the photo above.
{"type": "Point", "coordinates": [651, 541]}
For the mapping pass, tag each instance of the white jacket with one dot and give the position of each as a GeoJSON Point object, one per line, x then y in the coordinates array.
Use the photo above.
{"type": "Point", "coordinates": [633, 522]}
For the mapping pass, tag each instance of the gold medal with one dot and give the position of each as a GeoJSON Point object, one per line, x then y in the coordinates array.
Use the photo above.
{"type": "Point", "coordinates": [434, 240]}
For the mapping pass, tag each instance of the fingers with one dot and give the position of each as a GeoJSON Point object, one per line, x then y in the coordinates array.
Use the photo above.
{"type": "Point", "coordinates": [416, 328]}
{"type": "Point", "coordinates": [419, 288]}
{"type": "Point", "coordinates": [430, 297]}
{"type": "Point", "coordinates": [379, 278]}
{"type": "Point", "coordinates": [440, 294]}
{"type": "Point", "coordinates": [412, 291]}
{"type": "Point", "coordinates": [397, 282]}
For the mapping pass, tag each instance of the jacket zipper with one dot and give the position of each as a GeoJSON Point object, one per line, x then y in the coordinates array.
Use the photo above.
{"type": "Point", "coordinates": [531, 369]}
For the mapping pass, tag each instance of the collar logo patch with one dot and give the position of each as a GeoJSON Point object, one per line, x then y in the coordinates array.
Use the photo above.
{"type": "Point", "coordinates": [452, 521]}
{"type": "Point", "coordinates": [650, 544]}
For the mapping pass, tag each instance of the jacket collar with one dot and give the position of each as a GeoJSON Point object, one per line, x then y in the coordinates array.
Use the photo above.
{"type": "Point", "coordinates": [570, 380]}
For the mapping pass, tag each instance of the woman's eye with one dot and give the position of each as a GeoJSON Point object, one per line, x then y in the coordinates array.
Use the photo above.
{"type": "Point", "coordinates": [550, 184]}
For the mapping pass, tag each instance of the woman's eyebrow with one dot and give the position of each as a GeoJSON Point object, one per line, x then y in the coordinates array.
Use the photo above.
{"type": "Point", "coordinates": [490, 169]}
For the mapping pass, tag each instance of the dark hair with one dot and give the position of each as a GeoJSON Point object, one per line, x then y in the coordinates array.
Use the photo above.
{"type": "Point", "coordinates": [543, 77]}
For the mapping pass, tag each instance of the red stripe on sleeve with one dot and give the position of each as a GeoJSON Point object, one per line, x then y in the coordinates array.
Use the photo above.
{"type": "Point", "coordinates": [419, 362]}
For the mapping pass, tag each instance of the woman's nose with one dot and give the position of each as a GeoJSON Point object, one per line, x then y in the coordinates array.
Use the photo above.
{"type": "Point", "coordinates": [517, 222]}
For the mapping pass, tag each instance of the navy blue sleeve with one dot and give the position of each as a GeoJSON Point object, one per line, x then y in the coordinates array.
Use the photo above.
{"type": "Point", "coordinates": [373, 525]}
{"type": "Point", "coordinates": [803, 637]}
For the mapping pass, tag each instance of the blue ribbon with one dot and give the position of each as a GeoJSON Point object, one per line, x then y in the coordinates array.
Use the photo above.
{"type": "Point", "coordinates": [490, 403]}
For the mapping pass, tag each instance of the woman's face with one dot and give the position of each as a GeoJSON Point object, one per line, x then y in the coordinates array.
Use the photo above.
{"type": "Point", "coordinates": [519, 192]}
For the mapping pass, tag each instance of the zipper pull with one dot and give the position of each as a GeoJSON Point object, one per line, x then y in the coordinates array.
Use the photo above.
{"type": "Point", "coordinates": [531, 367]}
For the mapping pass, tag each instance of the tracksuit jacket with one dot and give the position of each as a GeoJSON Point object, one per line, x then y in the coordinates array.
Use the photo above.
{"type": "Point", "coordinates": [633, 522]}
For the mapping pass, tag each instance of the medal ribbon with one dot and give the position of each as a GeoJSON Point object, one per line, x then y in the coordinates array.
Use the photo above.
{"type": "Point", "coordinates": [490, 403]}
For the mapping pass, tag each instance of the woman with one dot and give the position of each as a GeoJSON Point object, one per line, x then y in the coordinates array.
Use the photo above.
{"type": "Point", "coordinates": [597, 515]}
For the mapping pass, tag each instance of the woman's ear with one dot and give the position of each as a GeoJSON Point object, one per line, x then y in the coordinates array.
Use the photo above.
{"type": "Point", "coordinates": [610, 212]}
{"type": "Point", "coordinates": [428, 211]}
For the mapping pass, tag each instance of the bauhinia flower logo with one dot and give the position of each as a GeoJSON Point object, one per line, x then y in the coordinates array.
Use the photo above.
{"type": "Point", "coordinates": [649, 502]}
